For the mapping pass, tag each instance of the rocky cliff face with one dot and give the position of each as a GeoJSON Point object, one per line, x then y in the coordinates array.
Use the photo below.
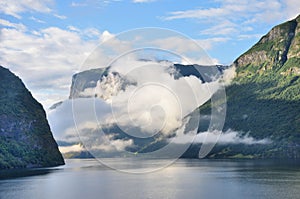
{"type": "Point", "coordinates": [25, 137]}
{"type": "Point", "coordinates": [279, 50]}
{"type": "Point", "coordinates": [264, 99]}
{"type": "Point", "coordinates": [86, 80]}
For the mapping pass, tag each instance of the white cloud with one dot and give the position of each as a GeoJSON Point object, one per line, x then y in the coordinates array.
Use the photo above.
{"type": "Point", "coordinates": [73, 116]}
{"type": "Point", "coordinates": [223, 18]}
{"type": "Point", "coordinates": [192, 51]}
{"type": "Point", "coordinates": [228, 137]}
{"type": "Point", "coordinates": [92, 3]}
{"type": "Point", "coordinates": [248, 36]}
{"type": "Point", "coordinates": [199, 13]}
{"type": "Point", "coordinates": [224, 28]}
{"type": "Point", "coordinates": [106, 36]}
{"type": "Point", "coordinates": [209, 43]}
{"type": "Point", "coordinates": [292, 8]}
{"type": "Point", "coordinates": [78, 4]}
{"type": "Point", "coordinates": [228, 75]}
{"type": "Point", "coordinates": [74, 121]}
{"type": "Point", "coordinates": [73, 28]}
{"type": "Point", "coordinates": [36, 19]}
{"type": "Point", "coordinates": [180, 44]}
{"type": "Point", "coordinates": [73, 148]}
{"type": "Point", "coordinates": [92, 33]}
{"type": "Point", "coordinates": [142, 1]}
{"type": "Point", "coordinates": [228, 9]}
{"type": "Point", "coordinates": [155, 101]}
{"type": "Point", "coordinates": [8, 24]}
{"type": "Point", "coordinates": [59, 16]}
{"type": "Point", "coordinates": [111, 144]}
{"type": "Point", "coordinates": [165, 41]}
{"type": "Point", "coordinates": [16, 7]}
{"type": "Point", "coordinates": [45, 59]}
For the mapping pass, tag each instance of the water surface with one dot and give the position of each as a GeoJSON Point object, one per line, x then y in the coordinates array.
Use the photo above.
{"type": "Point", "coordinates": [186, 178]}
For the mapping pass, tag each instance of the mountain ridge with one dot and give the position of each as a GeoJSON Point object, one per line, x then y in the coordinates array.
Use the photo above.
{"type": "Point", "coordinates": [26, 140]}
{"type": "Point", "coordinates": [264, 97]}
{"type": "Point", "coordinates": [273, 51]}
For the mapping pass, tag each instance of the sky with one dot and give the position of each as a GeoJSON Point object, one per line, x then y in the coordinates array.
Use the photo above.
{"type": "Point", "coordinates": [45, 42]}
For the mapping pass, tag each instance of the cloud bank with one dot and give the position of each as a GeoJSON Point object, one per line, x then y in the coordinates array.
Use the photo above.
{"type": "Point", "coordinates": [155, 101]}
{"type": "Point", "coordinates": [228, 137]}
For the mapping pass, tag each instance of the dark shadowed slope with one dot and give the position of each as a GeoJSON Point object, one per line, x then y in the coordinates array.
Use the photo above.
{"type": "Point", "coordinates": [25, 136]}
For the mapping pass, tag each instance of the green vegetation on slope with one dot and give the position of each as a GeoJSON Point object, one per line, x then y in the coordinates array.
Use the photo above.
{"type": "Point", "coordinates": [25, 136]}
{"type": "Point", "coordinates": [264, 98]}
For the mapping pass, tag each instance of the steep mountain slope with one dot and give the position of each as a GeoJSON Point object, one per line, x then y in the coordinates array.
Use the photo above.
{"type": "Point", "coordinates": [264, 99]}
{"type": "Point", "coordinates": [25, 136]}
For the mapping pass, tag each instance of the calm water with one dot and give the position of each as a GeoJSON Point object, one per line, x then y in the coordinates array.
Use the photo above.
{"type": "Point", "coordinates": [85, 179]}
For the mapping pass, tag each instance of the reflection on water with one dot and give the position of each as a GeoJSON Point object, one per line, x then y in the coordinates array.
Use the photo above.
{"type": "Point", "coordinates": [16, 173]}
{"type": "Point", "coordinates": [184, 179]}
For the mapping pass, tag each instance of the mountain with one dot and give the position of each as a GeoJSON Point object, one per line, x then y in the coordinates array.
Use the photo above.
{"type": "Point", "coordinates": [111, 82]}
{"type": "Point", "coordinates": [85, 79]}
{"type": "Point", "coordinates": [263, 100]}
{"type": "Point", "coordinates": [25, 137]}
{"type": "Point", "coordinates": [88, 79]}
{"type": "Point", "coordinates": [278, 52]}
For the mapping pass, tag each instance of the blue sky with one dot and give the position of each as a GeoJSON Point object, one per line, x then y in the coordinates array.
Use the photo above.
{"type": "Point", "coordinates": [45, 41]}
